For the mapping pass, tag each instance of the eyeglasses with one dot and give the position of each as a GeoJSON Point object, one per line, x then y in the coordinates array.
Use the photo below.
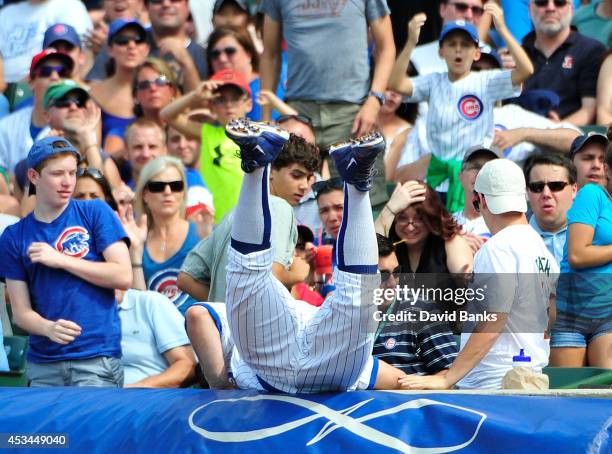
{"type": "Point", "coordinates": [327, 185]}
{"type": "Point", "coordinates": [89, 172]}
{"type": "Point", "coordinates": [65, 102]}
{"type": "Point", "coordinates": [216, 53]}
{"type": "Point", "coordinates": [544, 3]}
{"type": "Point", "coordinates": [386, 274]}
{"type": "Point", "coordinates": [47, 70]}
{"type": "Point", "coordinates": [554, 186]}
{"type": "Point", "coordinates": [299, 117]}
{"type": "Point", "coordinates": [160, 186]}
{"type": "Point", "coordinates": [463, 7]}
{"type": "Point", "coordinates": [124, 40]}
{"type": "Point", "coordinates": [405, 220]}
{"type": "Point", "coordinates": [161, 81]}
{"type": "Point", "coordinates": [476, 202]}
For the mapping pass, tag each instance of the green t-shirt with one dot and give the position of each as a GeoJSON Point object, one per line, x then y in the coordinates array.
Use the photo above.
{"type": "Point", "coordinates": [208, 260]}
{"type": "Point", "coordinates": [590, 24]}
{"type": "Point", "coordinates": [220, 168]}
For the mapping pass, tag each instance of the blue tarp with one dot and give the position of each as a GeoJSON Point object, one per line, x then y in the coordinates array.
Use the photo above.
{"type": "Point", "coordinates": [181, 421]}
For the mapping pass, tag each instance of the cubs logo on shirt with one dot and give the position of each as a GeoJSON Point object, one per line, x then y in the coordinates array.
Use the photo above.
{"type": "Point", "coordinates": [470, 107]}
{"type": "Point", "coordinates": [73, 241]}
{"type": "Point", "coordinates": [390, 343]}
{"type": "Point", "coordinates": [164, 282]}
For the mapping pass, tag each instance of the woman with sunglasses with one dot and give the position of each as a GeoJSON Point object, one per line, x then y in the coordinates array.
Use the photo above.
{"type": "Point", "coordinates": [230, 48]}
{"type": "Point", "coordinates": [426, 236]}
{"type": "Point", "coordinates": [162, 238]}
{"type": "Point", "coordinates": [154, 88]}
{"type": "Point", "coordinates": [128, 48]}
{"type": "Point", "coordinates": [91, 185]}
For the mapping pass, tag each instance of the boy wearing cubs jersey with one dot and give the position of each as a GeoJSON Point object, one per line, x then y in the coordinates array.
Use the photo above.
{"type": "Point", "coordinates": [61, 265]}
{"type": "Point", "coordinates": [460, 102]}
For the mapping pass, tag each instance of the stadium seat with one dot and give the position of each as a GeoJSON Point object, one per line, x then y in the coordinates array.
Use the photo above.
{"type": "Point", "coordinates": [594, 128]}
{"type": "Point", "coordinates": [17, 93]}
{"type": "Point", "coordinates": [578, 377]}
{"type": "Point", "coordinates": [16, 347]}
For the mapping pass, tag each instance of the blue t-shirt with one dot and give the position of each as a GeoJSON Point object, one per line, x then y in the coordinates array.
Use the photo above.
{"type": "Point", "coordinates": [194, 178]}
{"type": "Point", "coordinates": [586, 291]}
{"type": "Point", "coordinates": [84, 230]}
{"type": "Point", "coordinates": [162, 277]}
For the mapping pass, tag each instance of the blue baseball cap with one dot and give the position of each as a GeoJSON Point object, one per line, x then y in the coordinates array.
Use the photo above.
{"type": "Point", "coordinates": [581, 141]}
{"type": "Point", "coordinates": [119, 24]}
{"type": "Point", "coordinates": [61, 32]}
{"type": "Point", "coordinates": [539, 101]}
{"type": "Point", "coordinates": [488, 52]}
{"type": "Point", "coordinates": [47, 147]}
{"type": "Point", "coordinates": [459, 25]}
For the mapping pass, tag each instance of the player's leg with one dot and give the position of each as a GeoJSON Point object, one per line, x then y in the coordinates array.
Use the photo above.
{"type": "Point", "coordinates": [341, 334]}
{"type": "Point", "coordinates": [258, 309]}
{"type": "Point", "coordinates": [207, 333]}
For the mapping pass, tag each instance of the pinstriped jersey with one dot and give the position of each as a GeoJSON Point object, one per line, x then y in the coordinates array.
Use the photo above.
{"type": "Point", "coordinates": [460, 113]}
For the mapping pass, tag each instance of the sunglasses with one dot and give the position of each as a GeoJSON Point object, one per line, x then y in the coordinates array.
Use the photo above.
{"type": "Point", "coordinates": [160, 186]}
{"type": "Point", "coordinates": [327, 185]}
{"type": "Point", "coordinates": [476, 202]}
{"type": "Point", "coordinates": [463, 7]}
{"type": "Point", "coordinates": [544, 3]}
{"type": "Point", "coordinates": [89, 172]}
{"type": "Point", "coordinates": [299, 117]}
{"type": "Point", "coordinates": [554, 186]}
{"type": "Point", "coordinates": [124, 40]}
{"type": "Point", "coordinates": [65, 102]}
{"type": "Point", "coordinates": [47, 70]}
{"type": "Point", "coordinates": [386, 274]}
{"type": "Point", "coordinates": [161, 81]}
{"type": "Point", "coordinates": [216, 53]}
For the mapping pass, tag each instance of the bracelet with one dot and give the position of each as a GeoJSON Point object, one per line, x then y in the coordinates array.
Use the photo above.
{"type": "Point", "coordinates": [390, 210]}
{"type": "Point", "coordinates": [136, 265]}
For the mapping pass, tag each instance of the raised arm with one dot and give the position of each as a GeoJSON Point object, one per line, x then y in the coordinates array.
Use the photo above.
{"type": "Point", "coordinates": [270, 60]}
{"type": "Point", "coordinates": [524, 68]}
{"type": "Point", "coordinates": [398, 81]}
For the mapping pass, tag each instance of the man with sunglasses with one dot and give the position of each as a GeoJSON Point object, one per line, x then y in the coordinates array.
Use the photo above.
{"type": "Point", "coordinates": [19, 130]}
{"type": "Point", "coordinates": [566, 62]}
{"type": "Point", "coordinates": [551, 189]}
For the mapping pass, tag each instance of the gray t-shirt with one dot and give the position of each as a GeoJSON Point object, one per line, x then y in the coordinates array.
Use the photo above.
{"type": "Point", "coordinates": [207, 262]}
{"type": "Point", "coordinates": [327, 46]}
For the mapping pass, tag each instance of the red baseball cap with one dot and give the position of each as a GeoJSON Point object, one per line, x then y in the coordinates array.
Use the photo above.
{"type": "Point", "coordinates": [231, 77]}
{"type": "Point", "coordinates": [48, 53]}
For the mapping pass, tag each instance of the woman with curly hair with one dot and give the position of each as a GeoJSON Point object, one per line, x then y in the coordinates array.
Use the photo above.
{"type": "Point", "coordinates": [426, 236]}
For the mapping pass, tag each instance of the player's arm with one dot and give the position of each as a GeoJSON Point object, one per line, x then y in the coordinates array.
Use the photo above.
{"type": "Point", "coordinates": [60, 331]}
{"type": "Point", "coordinates": [270, 60]}
{"type": "Point", "coordinates": [558, 139]}
{"type": "Point", "coordinates": [194, 288]}
{"type": "Point", "coordinates": [115, 272]}
{"type": "Point", "coordinates": [398, 81]}
{"type": "Point", "coordinates": [585, 115]}
{"type": "Point", "coordinates": [581, 253]}
{"type": "Point", "coordinates": [524, 68]}
{"type": "Point", "coordinates": [474, 351]}
{"type": "Point", "coordinates": [180, 372]}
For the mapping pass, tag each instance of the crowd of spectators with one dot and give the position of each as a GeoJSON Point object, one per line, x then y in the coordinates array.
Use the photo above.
{"type": "Point", "coordinates": [118, 183]}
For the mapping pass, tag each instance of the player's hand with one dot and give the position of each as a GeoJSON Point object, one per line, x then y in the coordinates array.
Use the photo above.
{"type": "Point", "coordinates": [136, 231]}
{"type": "Point", "coordinates": [174, 47]}
{"type": "Point", "coordinates": [44, 254]}
{"type": "Point", "coordinates": [474, 241]}
{"type": "Point", "coordinates": [497, 13]}
{"type": "Point", "coordinates": [365, 120]}
{"type": "Point", "coordinates": [414, 27]}
{"type": "Point", "coordinates": [436, 382]}
{"type": "Point", "coordinates": [508, 138]}
{"type": "Point", "coordinates": [405, 195]}
{"type": "Point", "coordinates": [300, 268]}
{"type": "Point", "coordinates": [63, 331]}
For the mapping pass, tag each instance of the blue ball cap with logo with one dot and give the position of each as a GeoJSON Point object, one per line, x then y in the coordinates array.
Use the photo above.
{"type": "Point", "coordinates": [48, 147]}
{"type": "Point", "coordinates": [61, 32]}
{"type": "Point", "coordinates": [119, 24]}
{"type": "Point", "coordinates": [581, 141]}
{"type": "Point", "coordinates": [459, 25]}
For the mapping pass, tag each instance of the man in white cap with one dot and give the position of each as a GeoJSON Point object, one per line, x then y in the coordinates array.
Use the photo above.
{"type": "Point", "coordinates": [517, 274]}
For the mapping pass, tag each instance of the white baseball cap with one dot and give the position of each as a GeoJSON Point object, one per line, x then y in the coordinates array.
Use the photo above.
{"type": "Point", "coordinates": [503, 183]}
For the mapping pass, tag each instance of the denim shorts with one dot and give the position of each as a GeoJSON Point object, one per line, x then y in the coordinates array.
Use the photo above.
{"type": "Point", "coordinates": [573, 331]}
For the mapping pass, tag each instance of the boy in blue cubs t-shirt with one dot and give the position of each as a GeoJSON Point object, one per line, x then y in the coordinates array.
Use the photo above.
{"type": "Point", "coordinates": [61, 265]}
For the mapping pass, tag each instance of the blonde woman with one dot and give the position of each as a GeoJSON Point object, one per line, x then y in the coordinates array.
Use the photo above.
{"type": "Point", "coordinates": [154, 88]}
{"type": "Point", "coordinates": [162, 237]}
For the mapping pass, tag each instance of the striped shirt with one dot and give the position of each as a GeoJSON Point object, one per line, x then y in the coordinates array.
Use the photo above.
{"type": "Point", "coordinates": [460, 113]}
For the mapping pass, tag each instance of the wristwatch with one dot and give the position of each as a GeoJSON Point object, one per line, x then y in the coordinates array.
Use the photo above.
{"type": "Point", "coordinates": [378, 95]}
